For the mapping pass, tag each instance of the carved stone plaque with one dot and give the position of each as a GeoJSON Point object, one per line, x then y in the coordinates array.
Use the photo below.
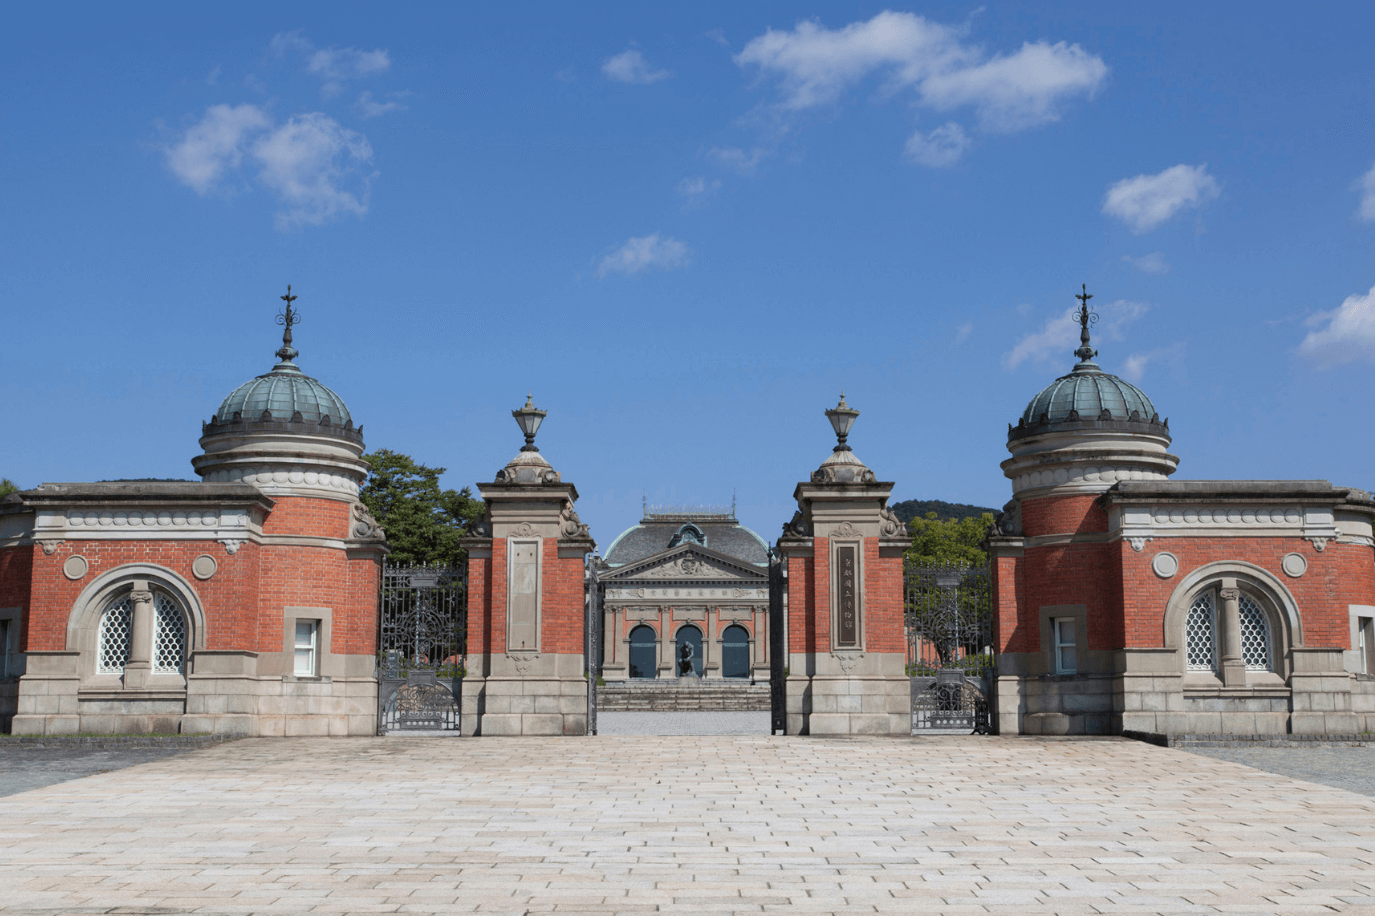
{"type": "Point", "coordinates": [522, 619]}
{"type": "Point", "coordinates": [847, 618]}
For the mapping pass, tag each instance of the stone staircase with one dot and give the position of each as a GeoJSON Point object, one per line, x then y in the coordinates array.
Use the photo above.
{"type": "Point", "coordinates": [683, 695]}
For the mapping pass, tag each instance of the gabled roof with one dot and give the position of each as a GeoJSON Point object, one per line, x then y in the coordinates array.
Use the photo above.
{"type": "Point", "coordinates": [643, 570]}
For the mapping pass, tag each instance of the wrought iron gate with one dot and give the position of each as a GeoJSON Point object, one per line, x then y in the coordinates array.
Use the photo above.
{"type": "Point", "coordinates": [421, 647]}
{"type": "Point", "coordinates": [950, 647]}
{"type": "Point", "coordinates": [778, 655]}
{"type": "Point", "coordinates": [593, 592]}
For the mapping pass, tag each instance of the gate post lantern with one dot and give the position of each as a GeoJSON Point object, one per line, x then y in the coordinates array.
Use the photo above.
{"type": "Point", "coordinates": [847, 651]}
{"type": "Point", "coordinates": [525, 601]}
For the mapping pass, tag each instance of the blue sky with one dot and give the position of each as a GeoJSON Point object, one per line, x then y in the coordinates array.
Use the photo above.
{"type": "Point", "coordinates": [686, 228]}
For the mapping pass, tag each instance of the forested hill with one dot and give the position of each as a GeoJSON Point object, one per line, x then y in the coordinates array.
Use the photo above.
{"type": "Point", "coordinates": [909, 509]}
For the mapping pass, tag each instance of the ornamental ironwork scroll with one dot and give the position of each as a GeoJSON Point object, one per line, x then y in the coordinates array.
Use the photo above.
{"type": "Point", "coordinates": [949, 617]}
{"type": "Point", "coordinates": [421, 647]}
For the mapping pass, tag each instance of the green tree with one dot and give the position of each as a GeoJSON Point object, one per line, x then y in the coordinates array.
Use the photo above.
{"type": "Point", "coordinates": [948, 541]}
{"type": "Point", "coordinates": [423, 522]}
{"type": "Point", "coordinates": [7, 487]}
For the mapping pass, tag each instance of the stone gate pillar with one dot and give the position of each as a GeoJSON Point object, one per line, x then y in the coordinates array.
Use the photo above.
{"type": "Point", "coordinates": [846, 640]}
{"type": "Point", "coordinates": [525, 602]}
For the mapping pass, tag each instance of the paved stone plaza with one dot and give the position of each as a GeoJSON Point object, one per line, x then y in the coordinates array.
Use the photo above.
{"type": "Point", "coordinates": [689, 825]}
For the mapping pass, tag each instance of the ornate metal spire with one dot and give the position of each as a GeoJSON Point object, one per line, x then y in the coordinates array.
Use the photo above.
{"type": "Point", "coordinates": [287, 319]}
{"type": "Point", "coordinates": [1085, 317]}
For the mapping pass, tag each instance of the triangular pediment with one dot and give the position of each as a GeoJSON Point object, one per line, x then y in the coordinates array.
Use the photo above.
{"type": "Point", "coordinates": [687, 563]}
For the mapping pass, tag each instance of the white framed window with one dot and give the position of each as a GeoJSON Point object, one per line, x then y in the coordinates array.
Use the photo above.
{"type": "Point", "coordinates": [115, 636]}
{"type": "Point", "coordinates": [1365, 645]}
{"type": "Point", "coordinates": [306, 646]}
{"type": "Point", "coordinates": [1066, 656]}
{"type": "Point", "coordinates": [1255, 635]}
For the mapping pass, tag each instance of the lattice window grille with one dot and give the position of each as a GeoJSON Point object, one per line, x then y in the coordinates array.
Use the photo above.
{"type": "Point", "coordinates": [1201, 633]}
{"type": "Point", "coordinates": [169, 636]}
{"type": "Point", "coordinates": [1255, 635]}
{"type": "Point", "coordinates": [115, 637]}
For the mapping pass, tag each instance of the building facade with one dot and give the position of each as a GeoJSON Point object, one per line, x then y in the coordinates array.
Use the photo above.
{"type": "Point", "coordinates": [1129, 602]}
{"type": "Point", "coordinates": [244, 603]}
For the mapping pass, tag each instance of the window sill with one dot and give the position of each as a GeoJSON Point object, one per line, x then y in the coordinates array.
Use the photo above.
{"type": "Point", "coordinates": [306, 679]}
{"type": "Point", "coordinates": [1259, 691]}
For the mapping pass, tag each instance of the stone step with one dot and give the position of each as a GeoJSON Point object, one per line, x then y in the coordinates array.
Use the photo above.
{"type": "Point", "coordinates": [676, 696]}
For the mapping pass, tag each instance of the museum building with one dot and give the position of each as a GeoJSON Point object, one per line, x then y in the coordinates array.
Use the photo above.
{"type": "Point", "coordinates": [245, 603]}
{"type": "Point", "coordinates": [1129, 602]}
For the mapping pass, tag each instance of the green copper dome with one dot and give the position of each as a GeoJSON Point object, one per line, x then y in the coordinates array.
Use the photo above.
{"type": "Point", "coordinates": [285, 392]}
{"type": "Point", "coordinates": [1087, 393]}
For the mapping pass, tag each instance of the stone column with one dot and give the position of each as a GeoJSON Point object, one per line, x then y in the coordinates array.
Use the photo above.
{"type": "Point", "coordinates": [140, 663]}
{"type": "Point", "coordinates": [846, 650]}
{"type": "Point", "coordinates": [1229, 622]}
{"type": "Point", "coordinates": [526, 611]}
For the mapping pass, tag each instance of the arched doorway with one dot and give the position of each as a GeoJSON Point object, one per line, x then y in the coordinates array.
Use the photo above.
{"type": "Point", "coordinates": [688, 652]}
{"type": "Point", "coordinates": [643, 645]}
{"type": "Point", "coordinates": [735, 652]}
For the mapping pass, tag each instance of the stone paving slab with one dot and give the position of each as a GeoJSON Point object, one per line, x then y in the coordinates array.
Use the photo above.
{"type": "Point", "coordinates": [709, 825]}
{"type": "Point", "coordinates": [32, 766]}
{"type": "Point", "coordinates": [1350, 768]}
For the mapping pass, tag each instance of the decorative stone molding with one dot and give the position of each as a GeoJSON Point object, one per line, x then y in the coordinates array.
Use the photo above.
{"type": "Point", "coordinates": [232, 545]}
{"type": "Point", "coordinates": [524, 530]}
{"type": "Point", "coordinates": [1165, 565]}
{"type": "Point", "coordinates": [847, 660]}
{"type": "Point", "coordinates": [1092, 474]}
{"type": "Point", "coordinates": [524, 474]}
{"type": "Point", "coordinates": [75, 567]}
{"type": "Point", "coordinates": [797, 528]}
{"type": "Point", "coordinates": [287, 475]}
{"type": "Point", "coordinates": [365, 527]}
{"type": "Point", "coordinates": [1227, 515]}
{"type": "Point", "coordinates": [49, 545]}
{"type": "Point", "coordinates": [1319, 543]}
{"type": "Point", "coordinates": [204, 566]}
{"type": "Point", "coordinates": [846, 530]}
{"type": "Point", "coordinates": [1294, 565]}
{"type": "Point", "coordinates": [523, 660]}
{"type": "Point", "coordinates": [843, 474]}
{"type": "Point", "coordinates": [570, 526]}
{"type": "Point", "coordinates": [1009, 521]}
{"type": "Point", "coordinates": [1229, 594]}
{"type": "Point", "coordinates": [891, 526]}
{"type": "Point", "coordinates": [1139, 543]}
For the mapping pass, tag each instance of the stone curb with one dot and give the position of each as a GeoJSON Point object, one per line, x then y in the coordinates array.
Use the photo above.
{"type": "Point", "coordinates": [1188, 741]}
{"type": "Point", "coordinates": [108, 742]}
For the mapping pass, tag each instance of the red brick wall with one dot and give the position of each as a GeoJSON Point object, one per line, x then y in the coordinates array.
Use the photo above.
{"type": "Point", "coordinates": [1010, 633]}
{"type": "Point", "coordinates": [801, 601]}
{"type": "Point", "coordinates": [562, 611]}
{"type": "Point", "coordinates": [298, 515]}
{"type": "Point", "coordinates": [480, 603]}
{"type": "Point", "coordinates": [1063, 515]}
{"type": "Point", "coordinates": [16, 578]}
{"type": "Point", "coordinates": [1343, 574]}
{"type": "Point", "coordinates": [884, 628]}
{"type": "Point", "coordinates": [1070, 574]}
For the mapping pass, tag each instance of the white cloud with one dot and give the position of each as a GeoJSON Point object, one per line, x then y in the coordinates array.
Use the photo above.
{"type": "Point", "coordinates": [335, 66]}
{"type": "Point", "coordinates": [815, 66]}
{"type": "Point", "coordinates": [308, 161]}
{"type": "Point", "coordinates": [696, 187]}
{"type": "Point", "coordinates": [368, 107]}
{"type": "Point", "coordinates": [631, 67]}
{"type": "Point", "coordinates": [1134, 366]}
{"type": "Point", "coordinates": [737, 159]}
{"type": "Point", "coordinates": [1342, 335]}
{"type": "Point", "coordinates": [1146, 201]}
{"type": "Point", "coordinates": [941, 147]}
{"type": "Point", "coordinates": [643, 253]}
{"type": "Point", "coordinates": [317, 168]}
{"type": "Point", "coordinates": [719, 36]}
{"type": "Point", "coordinates": [1153, 263]}
{"type": "Point", "coordinates": [215, 145]}
{"type": "Point", "coordinates": [963, 331]}
{"type": "Point", "coordinates": [1367, 187]}
{"type": "Point", "coordinates": [1056, 342]}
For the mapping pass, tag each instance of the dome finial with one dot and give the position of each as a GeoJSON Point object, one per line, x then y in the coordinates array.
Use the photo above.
{"type": "Point", "coordinates": [288, 319]}
{"type": "Point", "coordinates": [1085, 317]}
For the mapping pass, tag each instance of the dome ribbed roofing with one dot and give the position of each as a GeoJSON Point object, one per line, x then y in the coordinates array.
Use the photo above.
{"type": "Point", "coordinates": [285, 391]}
{"type": "Point", "coordinates": [1087, 392]}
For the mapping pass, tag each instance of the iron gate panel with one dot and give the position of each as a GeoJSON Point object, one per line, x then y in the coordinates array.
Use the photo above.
{"type": "Point", "coordinates": [949, 613]}
{"type": "Point", "coordinates": [778, 657]}
{"type": "Point", "coordinates": [421, 646]}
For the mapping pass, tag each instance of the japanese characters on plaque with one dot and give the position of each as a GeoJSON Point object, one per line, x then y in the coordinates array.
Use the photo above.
{"type": "Point", "coordinates": [848, 617]}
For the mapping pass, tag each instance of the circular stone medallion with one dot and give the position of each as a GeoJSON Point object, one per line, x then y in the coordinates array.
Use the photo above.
{"type": "Point", "coordinates": [1165, 565]}
{"type": "Point", "coordinates": [204, 566]}
{"type": "Point", "coordinates": [75, 567]}
{"type": "Point", "coordinates": [1294, 565]}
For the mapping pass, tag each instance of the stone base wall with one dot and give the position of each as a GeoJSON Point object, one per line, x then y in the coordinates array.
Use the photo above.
{"type": "Point", "coordinates": [1071, 704]}
{"type": "Point", "coordinates": [510, 706]}
{"type": "Point", "coordinates": [228, 699]}
{"type": "Point", "coordinates": [1363, 703]}
{"type": "Point", "coordinates": [838, 705]}
{"type": "Point", "coordinates": [9, 704]}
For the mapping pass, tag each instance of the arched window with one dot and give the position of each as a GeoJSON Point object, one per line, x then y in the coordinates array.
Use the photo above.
{"type": "Point", "coordinates": [735, 652]}
{"type": "Point", "coordinates": [1203, 631]}
{"type": "Point", "coordinates": [115, 634]}
{"type": "Point", "coordinates": [688, 658]}
{"type": "Point", "coordinates": [643, 646]}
